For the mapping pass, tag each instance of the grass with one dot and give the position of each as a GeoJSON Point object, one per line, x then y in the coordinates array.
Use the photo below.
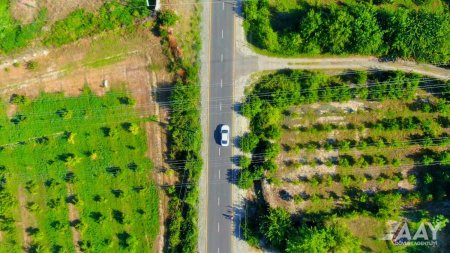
{"type": "Point", "coordinates": [81, 145]}
{"type": "Point", "coordinates": [368, 230]}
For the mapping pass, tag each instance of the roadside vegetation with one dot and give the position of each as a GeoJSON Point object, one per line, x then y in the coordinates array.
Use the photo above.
{"type": "Point", "coordinates": [76, 25]}
{"type": "Point", "coordinates": [327, 152]}
{"type": "Point", "coordinates": [74, 174]}
{"type": "Point", "coordinates": [185, 130]}
{"type": "Point", "coordinates": [391, 29]}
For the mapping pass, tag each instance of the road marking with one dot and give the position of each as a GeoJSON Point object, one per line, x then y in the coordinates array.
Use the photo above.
{"type": "Point", "coordinates": [218, 250]}
{"type": "Point", "coordinates": [218, 201]}
{"type": "Point", "coordinates": [218, 226]}
{"type": "Point", "coordinates": [219, 151]}
{"type": "Point", "coordinates": [223, 5]}
{"type": "Point", "coordinates": [219, 174]}
{"type": "Point", "coordinates": [221, 57]}
{"type": "Point", "coordinates": [220, 106]}
{"type": "Point", "coordinates": [222, 33]}
{"type": "Point", "coordinates": [221, 83]}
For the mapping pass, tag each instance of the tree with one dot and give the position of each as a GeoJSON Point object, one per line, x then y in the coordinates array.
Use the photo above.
{"type": "Point", "coordinates": [440, 221]}
{"type": "Point", "coordinates": [249, 142]}
{"type": "Point", "coordinates": [366, 36]}
{"type": "Point", "coordinates": [339, 30]}
{"type": "Point", "coordinates": [388, 205]}
{"type": "Point", "coordinates": [244, 162]}
{"type": "Point", "coordinates": [331, 238]}
{"type": "Point", "coordinates": [133, 129]}
{"type": "Point", "coordinates": [276, 226]}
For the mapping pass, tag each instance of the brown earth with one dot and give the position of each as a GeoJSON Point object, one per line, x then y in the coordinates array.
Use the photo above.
{"type": "Point", "coordinates": [26, 10]}
{"type": "Point", "coordinates": [26, 218]}
{"type": "Point", "coordinates": [73, 215]}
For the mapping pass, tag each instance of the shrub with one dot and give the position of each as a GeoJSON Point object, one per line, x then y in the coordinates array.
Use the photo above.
{"type": "Point", "coordinates": [19, 99]}
{"type": "Point", "coordinates": [31, 65]}
{"type": "Point", "coordinates": [167, 18]}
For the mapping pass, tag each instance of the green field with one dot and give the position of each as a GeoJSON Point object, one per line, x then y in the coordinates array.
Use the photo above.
{"type": "Point", "coordinates": [76, 167]}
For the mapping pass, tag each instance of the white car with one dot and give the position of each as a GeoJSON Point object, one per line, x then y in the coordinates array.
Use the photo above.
{"type": "Point", "coordinates": [225, 135]}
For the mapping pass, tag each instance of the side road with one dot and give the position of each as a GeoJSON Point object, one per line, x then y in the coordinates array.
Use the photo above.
{"type": "Point", "coordinates": [248, 62]}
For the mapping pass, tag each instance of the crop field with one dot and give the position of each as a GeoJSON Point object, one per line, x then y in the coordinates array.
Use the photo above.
{"type": "Point", "coordinates": [362, 146]}
{"type": "Point", "coordinates": [75, 176]}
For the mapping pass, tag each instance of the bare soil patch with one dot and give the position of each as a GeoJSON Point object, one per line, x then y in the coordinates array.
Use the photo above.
{"type": "Point", "coordinates": [26, 218]}
{"type": "Point", "coordinates": [24, 10]}
{"type": "Point", "coordinates": [58, 9]}
{"type": "Point", "coordinates": [73, 215]}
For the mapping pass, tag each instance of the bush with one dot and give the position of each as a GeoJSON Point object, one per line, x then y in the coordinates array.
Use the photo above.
{"type": "Point", "coordinates": [19, 99]}
{"type": "Point", "coordinates": [167, 18]}
{"type": "Point", "coordinates": [31, 65]}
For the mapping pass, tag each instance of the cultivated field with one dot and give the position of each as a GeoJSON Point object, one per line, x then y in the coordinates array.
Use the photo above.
{"type": "Point", "coordinates": [80, 159]}
{"type": "Point", "coordinates": [75, 174]}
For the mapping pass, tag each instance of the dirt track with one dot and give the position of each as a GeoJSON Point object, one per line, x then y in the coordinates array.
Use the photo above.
{"type": "Point", "coordinates": [248, 62]}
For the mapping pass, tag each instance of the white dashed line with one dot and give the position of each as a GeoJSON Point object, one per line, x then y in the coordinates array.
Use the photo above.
{"type": "Point", "coordinates": [221, 57]}
{"type": "Point", "coordinates": [220, 106]}
{"type": "Point", "coordinates": [219, 174]}
{"type": "Point", "coordinates": [218, 226]}
{"type": "Point", "coordinates": [219, 151]}
{"type": "Point", "coordinates": [218, 201]}
{"type": "Point", "coordinates": [222, 33]}
{"type": "Point", "coordinates": [221, 83]}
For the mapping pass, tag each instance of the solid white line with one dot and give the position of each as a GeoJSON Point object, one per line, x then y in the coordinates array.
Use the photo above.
{"type": "Point", "coordinates": [221, 57]}
{"type": "Point", "coordinates": [218, 201]}
{"type": "Point", "coordinates": [218, 226]}
{"type": "Point", "coordinates": [222, 33]}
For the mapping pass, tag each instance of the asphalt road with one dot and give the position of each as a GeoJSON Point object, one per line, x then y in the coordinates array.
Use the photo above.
{"type": "Point", "coordinates": [220, 99]}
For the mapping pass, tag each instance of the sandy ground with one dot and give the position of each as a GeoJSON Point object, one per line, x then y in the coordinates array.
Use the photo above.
{"type": "Point", "coordinates": [26, 10]}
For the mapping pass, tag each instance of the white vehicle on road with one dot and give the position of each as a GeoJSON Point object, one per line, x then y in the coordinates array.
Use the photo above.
{"type": "Point", "coordinates": [225, 135]}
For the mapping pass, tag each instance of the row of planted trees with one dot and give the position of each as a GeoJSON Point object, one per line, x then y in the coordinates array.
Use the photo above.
{"type": "Point", "coordinates": [185, 142]}
{"type": "Point", "coordinates": [264, 105]}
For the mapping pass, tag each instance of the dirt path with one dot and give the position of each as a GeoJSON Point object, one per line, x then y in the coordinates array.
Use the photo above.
{"type": "Point", "coordinates": [73, 215]}
{"type": "Point", "coordinates": [26, 218]}
{"type": "Point", "coordinates": [248, 62]}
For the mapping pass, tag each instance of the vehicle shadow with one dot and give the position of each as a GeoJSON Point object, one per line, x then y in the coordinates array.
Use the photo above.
{"type": "Point", "coordinates": [217, 137]}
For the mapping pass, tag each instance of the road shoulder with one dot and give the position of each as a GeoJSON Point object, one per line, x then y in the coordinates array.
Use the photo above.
{"type": "Point", "coordinates": [204, 78]}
